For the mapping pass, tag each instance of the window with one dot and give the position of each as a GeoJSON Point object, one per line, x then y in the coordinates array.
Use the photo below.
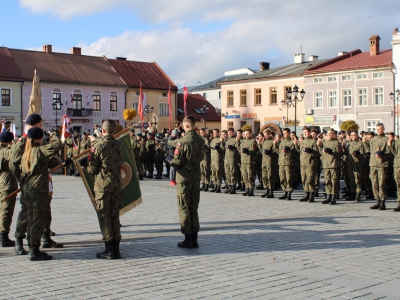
{"type": "Point", "coordinates": [57, 97]}
{"type": "Point", "coordinates": [135, 106]}
{"type": "Point", "coordinates": [113, 103]}
{"type": "Point", "coordinates": [165, 95]}
{"type": "Point", "coordinates": [361, 76]}
{"type": "Point", "coordinates": [377, 75]}
{"type": "Point", "coordinates": [273, 95]}
{"type": "Point", "coordinates": [96, 102]}
{"type": "Point", "coordinates": [346, 98]}
{"type": "Point", "coordinates": [164, 109]}
{"type": "Point", "coordinates": [332, 98]}
{"type": "Point", "coordinates": [257, 96]}
{"type": "Point", "coordinates": [332, 79]}
{"type": "Point", "coordinates": [242, 123]}
{"type": "Point", "coordinates": [317, 80]}
{"type": "Point", "coordinates": [219, 95]}
{"type": "Point", "coordinates": [370, 125]}
{"type": "Point", "coordinates": [230, 98]}
{"type": "Point", "coordinates": [5, 97]}
{"type": "Point", "coordinates": [205, 95]}
{"type": "Point", "coordinates": [378, 96]}
{"type": "Point", "coordinates": [318, 99]}
{"type": "Point", "coordinates": [257, 127]}
{"type": "Point", "coordinates": [286, 89]}
{"type": "Point", "coordinates": [77, 104]}
{"type": "Point", "coordinates": [229, 124]}
{"type": "Point", "coordinates": [346, 78]}
{"type": "Point", "coordinates": [243, 98]}
{"type": "Point", "coordinates": [362, 97]}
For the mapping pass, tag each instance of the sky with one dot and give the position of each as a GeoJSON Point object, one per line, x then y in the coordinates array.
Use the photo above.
{"type": "Point", "coordinates": [197, 41]}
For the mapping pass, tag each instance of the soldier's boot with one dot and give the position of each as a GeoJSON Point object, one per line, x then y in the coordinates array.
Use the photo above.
{"type": "Point", "coordinates": [5, 240]}
{"type": "Point", "coordinates": [246, 192]}
{"type": "Point", "coordinates": [213, 189]}
{"type": "Point", "coordinates": [19, 246]}
{"type": "Point", "coordinates": [351, 197]}
{"type": "Point", "coordinates": [316, 193]}
{"type": "Point", "coordinates": [397, 208]}
{"type": "Point", "coordinates": [376, 205]}
{"type": "Point", "coordinates": [35, 254]}
{"type": "Point", "coordinates": [311, 200]}
{"type": "Point", "coordinates": [47, 242]}
{"type": "Point", "coordinates": [233, 190]}
{"type": "Point", "coordinates": [243, 187]}
{"type": "Point", "coordinates": [284, 196]}
{"type": "Point", "coordinates": [306, 197]}
{"type": "Point", "coordinates": [140, 177]}
{"type": "Point", "coordinates": [202, 187]}
{"type": "Point", "coordinates": [194, 239]}
{"type": "Point", "coordinates": [187, 242]}
{"type": "Point", "coordinates": [206, 187]}
{"type": "Point", "coordinates": [370, 196]}
{"type": "Point", "coordinates": [289, 196]}
{"type": "Point", "coordinates": [265, 194]}
{"type": "Point", "coordinates": [260, 186]}
{"type": "Point", "coordinates": [328, 199]}
{"type": "Point", "coordinates": [251, 192]}
{"type": "Point", "coordinates": [333, 202]}
{"type": "Point", "coordinates": [238, 186]}
{"type": "Point", "coordinates": [158, 176]}
{"type": "Point", "coordinates": [228, 189]}
{"type": "Point", "coordinates": [108, 253]}
{"type": "Point", "coordinates": [271, 194]}
{"type": "Point", "coordinates": [382, 206]}
{"type": "Point", "coordinates": [116, 249]}
{"type": "Point", "coordinates": [224, 186]}
{"type": "Point", "coordinates": [358, 197]}
{"type": "Point", "coordinates": [218, 190]}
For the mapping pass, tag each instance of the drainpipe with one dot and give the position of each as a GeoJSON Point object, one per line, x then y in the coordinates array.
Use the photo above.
{"type": "Point", "coordinates": [22, 128]}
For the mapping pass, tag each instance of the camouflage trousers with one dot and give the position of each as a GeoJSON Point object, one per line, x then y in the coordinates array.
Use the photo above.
{"type": "Point", "coordinates": [355, 176]}
{"type": "Point", "coordinates": [22, 219]}
{"type": "Point", "coordinates": [205, 171]}
{"type": "Point", "coordinates": [230, 173]}
{"type": "Point", "coordinates": [38, 206]}
{"type": "Point", "coordinates": [332, 177]}
{"type": "Point", "coordinates": [108, 204]}
{"type": "Point", "coordinates": [249, 174]}
{"type": "Point", "coordinates": [308, 178]}
{"type": "Point", "coordinates": [49, 218]}
{"type": "Point", "coordinates": [188, 194]}
{"type": "Point", "coordinates": [267, 177]}
{"type": "Point", "coordinates": [378, 179]}
{"type": "Point", "coordinates": [139, 165]}
{"type": "Point", "coordinates": [317, 176]}
{"type": "Point", "coordinates": [217, 170]}
{"type": "Point", "coordinates": [6, 211]}
{"type": "Point", "coordinates": [286, 178]}
{"type": "Point", "coordinates": [397, 180]}
{"type": "Point", "coordinates": [159, 165]}
{"type": "Point", "coordinates": [346, 176]}
{"type": "Point", "coordinates": [367, 180]}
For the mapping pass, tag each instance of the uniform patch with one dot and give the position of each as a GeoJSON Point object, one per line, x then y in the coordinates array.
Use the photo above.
{"type": "Point", "coordinates": [178, 145]}
{"type": "Point", "coordinates": [176, 151]}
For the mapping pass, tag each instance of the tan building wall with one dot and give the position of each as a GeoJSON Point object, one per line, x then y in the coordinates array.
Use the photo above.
{"type": "Point", "coordinates": [12, 113]}
{"type": "Point", "coordinates": [258, 114]}
{"type": "Point", "coordinates": [158, 99]}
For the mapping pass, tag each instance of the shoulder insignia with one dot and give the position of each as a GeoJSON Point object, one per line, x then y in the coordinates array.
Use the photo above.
{"type": "Point", "coordinates": [176, 152]}
{"type": "Point", "coordinates": [178, 145]}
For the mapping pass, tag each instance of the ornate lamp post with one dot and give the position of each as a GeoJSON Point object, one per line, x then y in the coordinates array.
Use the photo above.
{"type": "Point", "coordinates": [204, 109]}
{"type": "Point", "coordinates": [148, 110]}
{"type": "Point", "coordinates": [293, 99]}
{"type": "Point", "coordinates": [57, 105]}
{"type": "Point", "coordinates": [396, 99]}
{"type": "Point", "coordinates": [287, 104]}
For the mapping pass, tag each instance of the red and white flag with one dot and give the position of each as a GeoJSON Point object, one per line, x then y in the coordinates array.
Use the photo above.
{"type": "Point", "coordinates": [185, 96]}
{"type": "Point", "coordinates": [65, 128]}
{"type": "Point", "coordinates": [72, 98]}
{"type": "Point", "coordinates": [13, 129]}
{"type": "Point", "coordinates": [140, 106]}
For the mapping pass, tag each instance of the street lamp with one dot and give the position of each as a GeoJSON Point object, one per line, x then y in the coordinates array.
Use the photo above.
{"type": "Point", "coordinates": [204, 109]}
{"type": "Point", "coordinates": [395, 98]}
{"type": "Point", "coordinates": [57, 105]}
{"type": "Point", "coordinates": [293, 99]}
{"type": "Point", "coordinates": [148, 110]}
{"type": "Point", "coordinates": [288, 103]}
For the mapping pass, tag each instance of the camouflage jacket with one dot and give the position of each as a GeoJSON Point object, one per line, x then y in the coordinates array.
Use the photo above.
{"type": "Point", "coordinates": [217, 154]}
{"type": "Point", "coordinates": [331, 160]}
{"type": "Point", "coordinates": [105, 163]}
{"type": "Point", "coordinates": [309, 159]}
{"type": "Point", "coordinates": [367, 154]}
{"type": "Point", "coordinates": [395, 149]}
{"type": "Point", "coordinates": [248, 157]}
{"type": "Point", "coordinates": [287, 158]}
{"type": "Point", "coordinates": [84, 145]}
{"type": "Point", "coordinates": [7, 180]}
{"type": "Point", "coordinates": [150, 148]}
{"type": "Point", "coordinates": [231, 154]}
{"type": "Point", "coordinates": [354, 161]}
{"type": "Point", "coordinates": [187, 157]}
{"type": "Point", "coordinates": [268, 144]}
{"type": "Point", "coordinates": [379, 143]}
{"type": "Point", "coordinates": [207, 149]}
{"type": "Point", "coordinates": [16, 154]}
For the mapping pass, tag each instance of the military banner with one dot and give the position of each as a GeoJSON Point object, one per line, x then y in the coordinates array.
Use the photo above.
{"type": "Point", "coordinates": [131, 194]}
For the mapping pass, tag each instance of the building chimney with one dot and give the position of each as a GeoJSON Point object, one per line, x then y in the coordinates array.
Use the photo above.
{"type": "Point", "coordinates": [341, 53]}
{"type": "Point", "coordinates": [121, 58]}
{"type": "Point", "coordinates": [395, 31]}
{"type": "Point", "coordinates": [299, 58]}
{"type": "Point", "coordinates": [313, 58]}
{"type": "Point", "coordinates": [374, 45]}
{"type": "Point", "coordinates": [76, 50]}
{"type": "Point", "coordinates": [264, 66]}
{"type": "Point", "coordinates": [47, 48]}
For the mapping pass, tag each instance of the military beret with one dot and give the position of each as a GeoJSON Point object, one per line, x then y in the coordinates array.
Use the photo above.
{"type": "Point", "coordinates": [6, 137]}
{"type": "Point", "coordinates": [139, 134]}
{"type": "Point", "coordinates": [159, 135]}
{"type": "Point", "coordinates": [84, 133]}
{"type": "Point", "coordinates": [286, 148]}
{"type": "Point", "coordinates": [307, 150]}
{"type": "Point", "coordinates": [380, 153]}
{"type": "Point", "coordinates": [267, 152]}
{"type": "Point", "coordinates": [132, 130]}
{"type": "Point", "coordinates": [35, 133]}
{"type": "Point", "coordinates": [149, 133]}
{"type": "Point", "coordinates": [245, 150]}
{"type": "Point", "coordinates": [33, 119]}
{"type": "Point", "coordinates": [327, 150]}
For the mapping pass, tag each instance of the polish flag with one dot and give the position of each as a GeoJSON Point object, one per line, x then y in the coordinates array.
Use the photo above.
{"type": "Point", "coordinates": [185, 96]}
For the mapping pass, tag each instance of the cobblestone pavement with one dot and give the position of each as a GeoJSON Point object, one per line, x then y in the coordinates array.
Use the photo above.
{"type": "Point", "coordinates": [250, 247]}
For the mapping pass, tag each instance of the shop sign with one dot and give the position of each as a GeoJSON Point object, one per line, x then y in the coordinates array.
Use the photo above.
{"type": "Point", "coordinates": [232, 116]}
{"type": "Point", "coordinates": [250, 116]}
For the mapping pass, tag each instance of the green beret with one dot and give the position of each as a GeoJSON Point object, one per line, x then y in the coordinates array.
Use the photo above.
{"type": "Point", "coordinates": [149, 133]}
{"type": "Point", "coordinates": [139, 134]}
{"type": "Point", "coordinates": [132, 130]}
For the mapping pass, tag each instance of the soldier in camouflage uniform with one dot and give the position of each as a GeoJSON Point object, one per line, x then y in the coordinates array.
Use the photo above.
{"type": "Point", "coordinates": [366, 166]}
{"type": "Point", "coordinates": [379, 164]}
{"type": "Point", "coordinates": [239, 140]}
{"type": "Point", "coordinates": [231, 157]}
{"type": "Point", "coordinates": [8, 184]}
{"type": "Point", "coordinates": [287, 149]}
{"type": "Point", "coordinates": [314, 134]}
{"type": "Point", "coordinates": [217, 154]}
{"type": "Point", "coordinates": [395, 149]}
{"type": "Point", "coordinates": [268, 149]}
{"type": "Point", "coordinates": [309, 158]}
{"type": "Point", "coordinates": [188, 154]}
{"type": "Point", "coordinates": [248, 150]}
{"type": "Point", "coordinates": [150, 151]}
{"type": "Point", "coordinates": [331, 156]}
{"type": "Point", "coordinates": [140, 151]}
{"type": "Point", "coordinates": [159, 155]}
{"type": "Point", "coordinates": [259, 157]}
{"type": "Point", "coordinates": [85, 143]}
{"type": "Point", "coordinates": [205, 168]}
{"type": "Point", "coordinates": [355, 152]}
{"type": "Point", "coordinates": [105, 163]}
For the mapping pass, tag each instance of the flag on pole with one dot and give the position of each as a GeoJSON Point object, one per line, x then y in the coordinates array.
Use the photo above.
{"type": "Point", "coordinates": [65, 128]}
{"type": "Point", "coordinates": [185, 96]}
{"type": "Point", "coordinates": [13, 129]}
{"type": "Point", "coordinates": [72, 98]}
{"type": "Point", "coordinates": [89, 95]}
{"type": "Point", "coordinates": [140, 106]}
{"type": "Point", "coordinates": [3, 127]}
{"type": "Point", "coordinates": [169, 107]}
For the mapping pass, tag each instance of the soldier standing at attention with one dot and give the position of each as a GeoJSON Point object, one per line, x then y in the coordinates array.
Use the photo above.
{"type": "Point", "coordinates": [188, 154]}
{"type": "Point", "coordinates": [379, 164]}
{"type": "Point", "coordinates": [259, 157]}
{"type": "Point", "coordinates": [355, 152]}
{"type": "Point", "coordinates": [150, 151]}
{"type": "Point", "coordinates": [105, 163]}
{"type": "Point", "coordinates": [205, 168]}
{"type": "Point", "coordinates": [248, 149]}
{"type": "Point", "coordinates": [239, 140]}
{"type": "Point", "coordinates": [8, 184]}
{"type": "Point", "coordinates": [268, 149]}
{"type": "Point", "coordinates": [366, 167]}
{"type": "Point", "coordinates": [217, 155]}
{"type": "Point", "coordinates": [230, 162]}
{"type": "Point", "coordinates": [309, 158]}
{"type": "Point", "coordinates": [396, 152]}
{"type": "Point", "coordinates": [331, 157]}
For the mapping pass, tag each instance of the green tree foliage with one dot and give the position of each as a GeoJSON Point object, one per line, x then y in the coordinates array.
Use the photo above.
{"type": "Point", "coordinates": [349, 125]}
{"type": "Point", "coordinates": [247, 127]}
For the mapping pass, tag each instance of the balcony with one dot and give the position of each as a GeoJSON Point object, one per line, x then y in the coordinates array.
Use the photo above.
{"type": "Point", "coordinates": [83, 113]}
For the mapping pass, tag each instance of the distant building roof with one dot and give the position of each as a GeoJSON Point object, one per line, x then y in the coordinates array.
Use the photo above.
{"type": "Point", "coordinates": [190, 88]}
{"type": "Point", "coordinates": [193, 104]}
{"type": "Point", "coordinates": [66, 68]}
{"type": "Point", "coordinates": [354, 60]}
{"type": "Point", "coordinates": [8, 68]}
{"type": "Point", "coordinates": [149, 74]}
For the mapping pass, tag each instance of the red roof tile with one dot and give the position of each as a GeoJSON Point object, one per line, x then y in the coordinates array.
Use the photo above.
{"type": "Point", "coordinates": [354, 60]}
{"type": "Point", "coordinates": [149, 74]}
{"type": "Point", "coordinates": [196, 101]}
{"type": "Point", "coordinates": [8, 68]}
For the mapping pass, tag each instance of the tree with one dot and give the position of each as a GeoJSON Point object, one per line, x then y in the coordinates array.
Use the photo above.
{"type": "Point", "coordinates": [349, 125]}
{"type": "Point", "coordinates": [129, 114]}
{"type": "Point", "coordinates": [247, 127]}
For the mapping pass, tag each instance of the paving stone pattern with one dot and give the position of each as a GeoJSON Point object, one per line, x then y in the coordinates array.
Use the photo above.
{"type": "Point", "coordinates": [250, 248]}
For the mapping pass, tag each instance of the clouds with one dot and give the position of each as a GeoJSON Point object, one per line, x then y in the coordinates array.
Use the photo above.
{"type": "Point", "coordinates": [199, 40]}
